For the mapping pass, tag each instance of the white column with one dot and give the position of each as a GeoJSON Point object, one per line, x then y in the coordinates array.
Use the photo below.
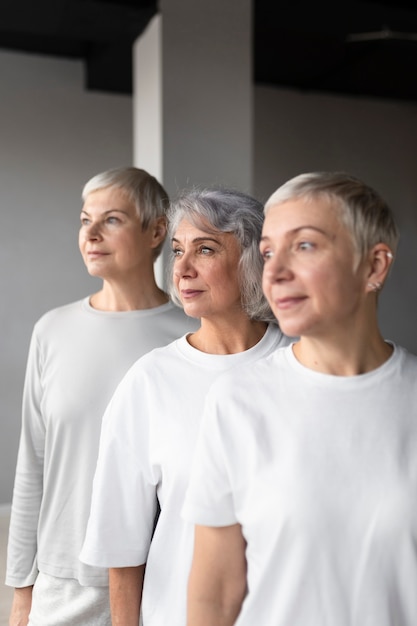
{"type": "Point", "coordinates": [193, 95]}
{"type": "Point", "coordinates": [207, 85]}
{"type": "Point", "coordinates": [147, 109]}
{"type": "Point", "coordinates": [147, 99]}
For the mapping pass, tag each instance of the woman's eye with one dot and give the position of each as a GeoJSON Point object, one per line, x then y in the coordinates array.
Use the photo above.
{"type": "Point", "coordinates": [112, 220]}
{"type": "Point", "coordinates": [266, 254]}
{"type": "Point", "coordinates": [305, 245]}
{"type": "Point", "coordinates": [84, 221]}
{"type": "Point", "coordinates": [176, 251]}
{"type": "Point", "coordinates": [205, 250]}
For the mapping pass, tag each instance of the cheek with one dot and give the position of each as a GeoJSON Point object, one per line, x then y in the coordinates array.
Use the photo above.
{"type": "Point", "coordinates": [335, 287]}
{"type": "Point", "coordinates": [127, 246]}
{"type": "Point", "coordinates": [265, 283]}
{"type": "Point", "coordinates": [175, 278]}
{"type": "Point", "coordinates": [233, 285]}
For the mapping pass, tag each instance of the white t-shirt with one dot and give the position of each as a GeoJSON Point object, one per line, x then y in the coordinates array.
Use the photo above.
{"type": "Point", "coordinates": [148, 439]}
{"type": "Point", "coordinates": [77, 357]}
{"type": "Point", "coordinates": [321, 472]}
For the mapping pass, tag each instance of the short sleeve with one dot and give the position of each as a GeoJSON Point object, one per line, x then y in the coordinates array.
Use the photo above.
{"type": "Point", "coordinates": [209, 498]}
{"type": "Point", "coordinates": [124, 500]}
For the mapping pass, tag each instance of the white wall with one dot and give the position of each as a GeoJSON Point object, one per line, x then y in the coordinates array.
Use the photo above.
{"type": "Point", "coordinates": [54, 135]}
{"type": "Point", "coordinates": [375, 140]}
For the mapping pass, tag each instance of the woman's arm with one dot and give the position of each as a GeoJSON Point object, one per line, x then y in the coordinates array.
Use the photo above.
{"type": "Point", "coordinates": [126, 584]}
{"type": "Point", "coordinates": [22, 569]}
{"type": "Point", "coordinates": [21, 605]}
{"type": "Point", "coordinates": [217, 583]}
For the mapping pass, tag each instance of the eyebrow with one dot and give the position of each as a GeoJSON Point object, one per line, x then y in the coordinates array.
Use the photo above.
{"type": "Point", "coordinates": [107, 212]}
{"type": "Point", "coordinates": [297, 230]}
{"type": "Point", "coordinates": [198, 239]}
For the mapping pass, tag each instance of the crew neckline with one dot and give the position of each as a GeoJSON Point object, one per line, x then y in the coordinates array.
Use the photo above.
{"type": "Point", "coordinates": [162, 308]}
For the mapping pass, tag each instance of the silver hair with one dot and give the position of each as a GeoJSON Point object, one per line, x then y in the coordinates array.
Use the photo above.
{"type": "Point", "coordinates": [224, 210]}
{"type": "Point", "coordinates": [366, 215]}
{"type": "Point", "coordinates": [150, 198]}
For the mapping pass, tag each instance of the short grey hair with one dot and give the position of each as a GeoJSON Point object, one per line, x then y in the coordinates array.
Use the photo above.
{"type": "Point", "coordinates": [150, 198]}
{"type": "Point", "coordinates": [366, 215]}
{"type": "Point", "coordinates": [226, 211]}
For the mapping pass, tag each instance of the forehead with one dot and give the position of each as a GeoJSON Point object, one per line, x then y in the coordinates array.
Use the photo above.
{"type": "Point", "coordinates": [312, 212]}
{"type": "Point", "coordinates": [109, 198]}
{"type": "Point", "coordinates": [189, 233]}
{"type": "Point", "coordinates": [187, 228]}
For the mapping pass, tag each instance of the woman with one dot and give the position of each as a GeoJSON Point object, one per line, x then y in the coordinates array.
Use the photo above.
{"type": "Point", "coordinates": [305, 478]}
{"type": "Point", "coordinates": [151, 424]}
{"type": "Point", "coordinates": [78, 354]}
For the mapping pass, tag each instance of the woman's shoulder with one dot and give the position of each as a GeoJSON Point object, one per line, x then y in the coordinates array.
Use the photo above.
{"type": "Point", "coordinates": [157, 363]}
{"type": "Point", "coordinates": [61, 314]}
{"type": "Point", "coordinates": [407, 360]}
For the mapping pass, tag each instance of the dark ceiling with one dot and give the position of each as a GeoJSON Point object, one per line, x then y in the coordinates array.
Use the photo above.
{"type": "Point", "coordinates": [356, 48]}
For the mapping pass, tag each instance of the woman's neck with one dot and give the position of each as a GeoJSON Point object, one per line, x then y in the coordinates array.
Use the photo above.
{"type": "Point", "coordinates": [116, 297]}
{"type": "Point", "coordinates": [342, 359]}
{"type": "Point", "coordinates": [227, 336]}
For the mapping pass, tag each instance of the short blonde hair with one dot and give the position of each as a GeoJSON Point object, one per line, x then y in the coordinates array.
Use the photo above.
{"type": "Point", "coordinates": [366, 215]}
{"type": "Point", "coordinates": [150, 198]}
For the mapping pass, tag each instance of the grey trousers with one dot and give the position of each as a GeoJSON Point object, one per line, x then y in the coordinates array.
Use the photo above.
{"type": "Point", "coordinates": [64, 602]}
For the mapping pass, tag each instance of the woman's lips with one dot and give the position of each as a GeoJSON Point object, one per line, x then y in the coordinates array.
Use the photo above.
{"type": "Point", "coordinates": [190, 293]}
{"type": "Point", "coordinates": [95, 253]}
{"type": "Point", "coordinates": [288, 302]}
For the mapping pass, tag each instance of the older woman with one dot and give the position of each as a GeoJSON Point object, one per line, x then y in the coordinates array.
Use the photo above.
{"type": "Point", "coordinates": [152, 422]}
{"type": "Point", "coordinates": [78, 354]}
{"type": "Point", "coordinates": [305, 479]}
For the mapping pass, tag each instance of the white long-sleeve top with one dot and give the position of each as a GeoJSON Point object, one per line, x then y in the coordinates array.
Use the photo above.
{"type": "Point", "coordinates": [77, 357]}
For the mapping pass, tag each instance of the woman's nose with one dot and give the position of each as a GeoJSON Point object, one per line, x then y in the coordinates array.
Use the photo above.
{"type": "Point", "coordinates": [183, 266]}
{"type": "Point", "coordinates": [92, 231]}
{"type": "Point", "coordinates": [276, 268]}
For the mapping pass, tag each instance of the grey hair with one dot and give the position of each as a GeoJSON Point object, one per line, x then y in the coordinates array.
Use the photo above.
{"type": "Point", "coordinates": [228, 211]}
{"type": "Point", "coordinates": [150, 198]}
{"type": "Point", "coordinates": [363, 211]}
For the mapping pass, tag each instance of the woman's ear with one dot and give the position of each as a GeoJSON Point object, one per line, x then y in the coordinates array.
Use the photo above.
{"type": "Point", "coordinates": [380, 260]}
{"type": "Point", "coordinates": [159, 231]}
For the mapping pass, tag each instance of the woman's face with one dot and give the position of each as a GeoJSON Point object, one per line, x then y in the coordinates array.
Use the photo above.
{"type": "Point", "coordinates": [311, 278]}
{"type": "Point", "coordinates": [205, 271]}
{"type": "Point", "coordinates": [112, 242]}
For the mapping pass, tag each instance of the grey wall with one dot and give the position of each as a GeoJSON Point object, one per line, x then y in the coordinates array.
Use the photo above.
{"type": "Point", "coordinates": [207, 93]}
{"type": "Point", "coordinates": [375, 140]}
{"type": "Point", "coordinates": [53, 137]}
